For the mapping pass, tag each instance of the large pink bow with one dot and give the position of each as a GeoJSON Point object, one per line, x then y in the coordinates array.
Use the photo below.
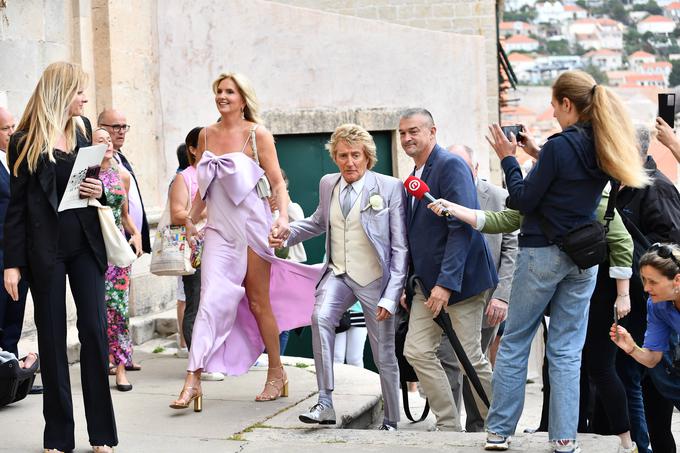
{"type": "Point", "coordinates": [237, 172]}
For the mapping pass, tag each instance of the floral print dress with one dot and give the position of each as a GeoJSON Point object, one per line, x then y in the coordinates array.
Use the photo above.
{"type": "Point", "coordinates": [117, 280]}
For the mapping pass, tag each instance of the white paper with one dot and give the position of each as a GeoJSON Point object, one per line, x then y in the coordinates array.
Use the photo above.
{"type": "Point", "coordinates": [87, 157]}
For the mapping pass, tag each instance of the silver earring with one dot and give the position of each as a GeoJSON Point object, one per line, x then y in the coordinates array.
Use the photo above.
{"type": "Point", "coordinates": [243, 115]}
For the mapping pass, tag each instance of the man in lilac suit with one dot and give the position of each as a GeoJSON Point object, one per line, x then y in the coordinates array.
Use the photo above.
{"type": "Point", "coordinates": [363, 214]}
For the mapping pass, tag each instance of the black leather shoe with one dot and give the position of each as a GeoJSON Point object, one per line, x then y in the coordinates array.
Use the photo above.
{"type": "Point", "coordinates": [124, 387]}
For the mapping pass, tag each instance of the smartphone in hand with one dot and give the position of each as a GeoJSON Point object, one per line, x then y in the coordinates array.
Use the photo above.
{"type": "Point", "coordinates": [667, 108]}
{"type": "Point", "coordinates": [516, 129]}
{"type": "Point", "coordinates": [91, 172]}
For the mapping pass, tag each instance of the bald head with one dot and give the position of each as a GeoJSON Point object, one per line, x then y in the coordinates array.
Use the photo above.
{"type": "Point", "coordinates": [468, 155]}
{"type": "Point", "coordinates": [115, 123]}
{"type": "Point", "coordinates": [7, 126]}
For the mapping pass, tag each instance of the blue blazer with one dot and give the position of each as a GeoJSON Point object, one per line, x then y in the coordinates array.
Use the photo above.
{"type": "Point", "coordinates": [448, 252]}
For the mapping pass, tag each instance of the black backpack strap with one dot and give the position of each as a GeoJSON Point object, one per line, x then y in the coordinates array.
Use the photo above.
{"type": "Point", "coordinates": [611, 204]}
{"type": "Point", "coordinates": [407, 409]}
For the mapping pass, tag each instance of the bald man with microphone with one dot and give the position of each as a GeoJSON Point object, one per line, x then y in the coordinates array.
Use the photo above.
{"type": "Point", "coordinates": [454, 263]}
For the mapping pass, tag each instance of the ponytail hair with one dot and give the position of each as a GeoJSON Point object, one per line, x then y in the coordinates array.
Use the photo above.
{"type": "Point", "coordinates": [613, 132]}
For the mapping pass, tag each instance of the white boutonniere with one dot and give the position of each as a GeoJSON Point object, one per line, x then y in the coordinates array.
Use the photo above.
{"type": "Point", "coordinates": [375, 202]}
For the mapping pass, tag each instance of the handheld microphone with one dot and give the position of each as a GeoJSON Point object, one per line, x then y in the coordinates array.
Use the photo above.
{"type": "Point", "coordinates": [419, 189]}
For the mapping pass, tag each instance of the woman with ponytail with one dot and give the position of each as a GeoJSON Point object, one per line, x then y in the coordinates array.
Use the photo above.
{"type": "Point", "coordinates": [45, 246]}
{"type": "Point", "coordinates": [561, 192]}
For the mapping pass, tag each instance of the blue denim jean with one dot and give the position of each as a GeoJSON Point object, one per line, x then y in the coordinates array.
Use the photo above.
{"type": "Point", "coordinates": [543, 275]}
{"type": "Point", "coordinates": [631, 374]}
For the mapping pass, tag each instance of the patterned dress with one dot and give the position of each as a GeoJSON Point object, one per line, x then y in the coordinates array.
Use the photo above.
{"type": "Point", "coordinates": [117, 280]}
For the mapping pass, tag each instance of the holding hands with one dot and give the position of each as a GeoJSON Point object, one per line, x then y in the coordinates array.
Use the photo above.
{"type": "Point", "coordinates": [279, 232]}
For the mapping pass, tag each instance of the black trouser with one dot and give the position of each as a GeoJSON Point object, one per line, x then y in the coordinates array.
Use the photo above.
{"type": "Point", "coordinates": [192, 294]}
{"type": "Point", "coordinates": [87, 286]}
{"type": "Point", "coordinates": [599, 361]}
{"type": "Point", "coordinates": [12, 318]}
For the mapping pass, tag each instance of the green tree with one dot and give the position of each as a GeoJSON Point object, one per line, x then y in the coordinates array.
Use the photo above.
{"type": "Point", "coordinates": [599, 75]}
{"type": "Point", "coordinates": [525, 14]}
{"type": "Point", "coordinates": [651, 7]}
{"type": "Point", "coordinates": [560, 47]}
{"type": "Point", "coordinates": [674, 78]}
{"type": "Point", "coordinates": [615, 10]}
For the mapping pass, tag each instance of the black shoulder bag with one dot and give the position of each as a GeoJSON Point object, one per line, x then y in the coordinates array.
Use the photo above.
{"type": "Point", "coordinates": [586, 244]}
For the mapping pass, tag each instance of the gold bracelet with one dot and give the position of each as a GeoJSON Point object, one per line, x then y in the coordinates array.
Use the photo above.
{"type": "Point", "coordinates": [623, 295]}
{"type": "Point", "coordinates": [632, 350]}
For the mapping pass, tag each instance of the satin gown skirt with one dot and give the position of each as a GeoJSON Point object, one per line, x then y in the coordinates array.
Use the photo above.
{"type": "Point", "coordinates": [225, 336]}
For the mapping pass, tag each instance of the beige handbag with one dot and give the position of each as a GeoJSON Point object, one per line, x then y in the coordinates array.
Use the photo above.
{"type": "Point", "coordinates": [118, 251]}
{"type": "Point", "coordinates": [171, 252]}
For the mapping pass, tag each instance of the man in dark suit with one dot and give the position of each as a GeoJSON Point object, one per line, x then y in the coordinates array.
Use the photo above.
{"type": "Point", "coordinates": [454, 263]}
{"type": "Point", "coordinates": [116, 125]}
{"type": "Point", "coordinates": [503, 248]}
{"type": "Point", "coordinates": [11, 313]}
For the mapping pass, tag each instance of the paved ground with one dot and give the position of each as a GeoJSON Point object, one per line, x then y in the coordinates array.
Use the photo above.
{"type": "Point", "coordinates": [232, 422]}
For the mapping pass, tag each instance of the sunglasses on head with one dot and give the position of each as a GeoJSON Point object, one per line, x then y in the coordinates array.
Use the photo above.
{"type": "Point", "coordinates": [664, 251]}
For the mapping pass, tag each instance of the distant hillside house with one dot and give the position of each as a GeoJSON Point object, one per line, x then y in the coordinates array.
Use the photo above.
{"type": "Point", "coordinates": [658, 67]}
{"type": "Point", "coordinates": [656, 24]}
{"type": "Point", "coordinates": [524, 66]}
{"type": "Point", "coordinates": [575, 12]}
{"type": "Point", "coordinates": [645, 80]}
{"type": "Point", "coordinates": [551, 12]}
{"type": "Point", "coordinates": [507, 29]}
{"type": "Point", "coordinates": [605, 59]}
{"type": "Point", "coordinates": [638, 58]}
{"type": "Point", "coordinates": [672, 11]}
{"type": "Point", "coordinates": [519, 43]}
{"type": "Point", "coordinates": [597, 33]}
{"type": "Point", "coordinates": [618, 78]}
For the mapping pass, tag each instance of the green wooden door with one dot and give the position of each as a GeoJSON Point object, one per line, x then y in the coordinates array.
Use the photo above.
{"type": "Point", "coordinates": [305, 160]}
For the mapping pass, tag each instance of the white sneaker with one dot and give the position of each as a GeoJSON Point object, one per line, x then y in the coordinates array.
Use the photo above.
{"type": "Point", "coordinates": [182, 353]}
{"type": "Point", "coordinates": [633, 449]}
{"type": "Point", "coordinates": [566, 446]}
{"type": "Point", "coordinates": [496, 442]}
{"type": "Point", "coordinates": [216, 376]}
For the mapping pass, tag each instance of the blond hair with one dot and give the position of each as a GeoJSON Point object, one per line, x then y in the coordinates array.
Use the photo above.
{"type": "Point", "coordinates": [47, 114]}
{"type": "Point", "coordinates": [613, 132]}
{"type": "Point", "coordinates": [353, 135]}
{"type": "Point", "coordinates": [247, 92]}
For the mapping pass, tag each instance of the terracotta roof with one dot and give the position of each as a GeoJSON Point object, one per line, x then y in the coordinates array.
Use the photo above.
{"type": "Point", "coordinates": [547, 115]}
{"type": "Point", "coordinates": [656, 19]}
{"type": "Point", "coordinates": [672, 6]}
{"type": "Point", "coordinates": [511, 25]}
{"type": "Point", "coordinates": [657, 64]}
{"type": "Point", "coordinates": [519, 57]}
{"type": "Point", "coordinates": [607, 22]}
{"type": "Point", "coordinates": [585, 21]}
{"type": "Point", "coordinates": [637, 77]}
{"type": "Point", "coordinates": [665, 161]}
{"type": "Point", "coordinates": [573, 8]}
{"type": "Point", "coordinates": [517, 110]}
{"type": "Point", "coordinates": [641, 54]}
{"type": "Point", "coordinates": [520, 39]}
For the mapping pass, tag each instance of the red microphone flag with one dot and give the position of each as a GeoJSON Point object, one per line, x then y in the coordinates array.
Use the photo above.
{"type": "Point", "coordinates": [416, 187]}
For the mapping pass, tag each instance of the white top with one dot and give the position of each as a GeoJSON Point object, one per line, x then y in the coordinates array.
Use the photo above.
{"type": "Point", "coordinates": [3, 159]}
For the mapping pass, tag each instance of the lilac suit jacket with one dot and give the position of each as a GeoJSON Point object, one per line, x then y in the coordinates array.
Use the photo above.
{"type": "Point", "coordinates": [386, 229]}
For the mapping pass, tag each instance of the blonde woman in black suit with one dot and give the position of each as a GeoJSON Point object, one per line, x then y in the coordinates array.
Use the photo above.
{"type": "Point", "coordinates": [43, 246]}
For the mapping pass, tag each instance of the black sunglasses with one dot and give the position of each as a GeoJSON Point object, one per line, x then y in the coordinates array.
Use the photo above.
{"type": "Point", "coordinates": [664, 251]}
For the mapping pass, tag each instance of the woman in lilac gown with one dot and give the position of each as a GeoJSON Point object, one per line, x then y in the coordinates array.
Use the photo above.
{"type": "Point", "coordinates": [247, 294]}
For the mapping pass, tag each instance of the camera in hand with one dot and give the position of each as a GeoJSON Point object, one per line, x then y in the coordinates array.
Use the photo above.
{"type": "Point", "coordinates": [516, 129]}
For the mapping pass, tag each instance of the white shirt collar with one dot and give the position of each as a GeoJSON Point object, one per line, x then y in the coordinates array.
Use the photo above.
{"type": "Point", "coordinates": [357, 186]}
{"type": "Point", "coordinates": [3, 159]}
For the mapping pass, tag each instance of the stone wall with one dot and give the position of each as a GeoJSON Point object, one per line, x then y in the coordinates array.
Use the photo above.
{"type": "Point", "coordinates": [470, 17]}
{"type": "Point", "coordinates": [312, 69]}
